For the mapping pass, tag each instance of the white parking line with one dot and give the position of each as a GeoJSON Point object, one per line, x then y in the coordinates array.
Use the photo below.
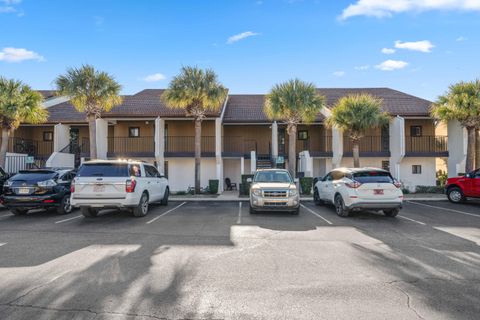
{"type": "Point", "coordinates": [446, 209]}
{"type": "Point", "coordinates": [239, 220]}
{"type": "Point", "coordinates": [156, 218]}
{"type": "Point", "coordinates": [6, 215]}
{"type": "Point", "coordinates": [65, 220]}
{"type": "Point", "coordinates": [409, 219]}
{"type": "Point", "coordinates": [313, 212]}
{"type": "Point", "coordinates": [3, 243]}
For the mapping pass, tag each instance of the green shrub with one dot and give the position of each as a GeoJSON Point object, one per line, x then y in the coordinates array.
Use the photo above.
{"type": "Point", "coordinates": [442, 177]}
{"type": "Point", "coordinates": [213, 186]}
{"type": "Point", "coordinates": [429, 189]}
{"type": "Point", "coordinates": [405, 191]}
{"type": "Point", "coordinates": [181, 193]}
{"type": "Point", "coordinates": [306, 185]}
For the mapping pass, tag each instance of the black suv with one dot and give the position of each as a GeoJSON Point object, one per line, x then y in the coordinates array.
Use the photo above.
{"type": "Point", "coordinates": [39, 188]}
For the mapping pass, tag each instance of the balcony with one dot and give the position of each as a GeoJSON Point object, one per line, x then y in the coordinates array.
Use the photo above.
{"type": "Point", "coordinates": [35, 148]}
{"type": "Point", "coordinates": [426, 146]}
{"type": "Point", "coordinates": [131, 147]}
{"type": "Point", "coordinates": [236, 146]}
{"type": "Point", "coordinates": [184, 146]}
{"type": "Point", "coordinates": [370, 146]}
{"type": "Point", "coordinates": [318, 147]}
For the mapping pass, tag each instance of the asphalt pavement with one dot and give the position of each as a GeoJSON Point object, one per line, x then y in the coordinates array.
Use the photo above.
{"type": "Point", "coordinates": [213, 260]}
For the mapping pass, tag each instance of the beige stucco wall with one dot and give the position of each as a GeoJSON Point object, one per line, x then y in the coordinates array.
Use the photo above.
{"type": "Point", "coordinates": [186, 128]}
{"type": "Point", "coordinates": [121, 128]}
{"type": "Point", "coordinates": [428, 126]}
{"type": "Point", "coordinates": [181, 172]}
{"type": "Point", "coordinates": [261, 134]}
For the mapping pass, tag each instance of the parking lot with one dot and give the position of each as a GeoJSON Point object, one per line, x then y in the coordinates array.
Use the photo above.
{"type": "Point", "coordinates": [213, 260]}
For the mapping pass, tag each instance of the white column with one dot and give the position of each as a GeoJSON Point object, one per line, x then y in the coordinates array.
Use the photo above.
{"type": "Point", "coordinates": [337, 147]}
{"type": "Point", "coordinates": [102, 138]}
{"type": "Point", "coordinates": [274, 140]}
{"type": "Point", "coordinates": [218, 153]}
{"type": "Point", "coordinates": [397, 145]}
{"type": "Point", "coordinates": [253, 162]}
{"type": "Point", "coordinates": [457, 148]}
{"type": "Point", "coordinates": [159, 139]}
{"type": "Point", "coordinates": [242, 165]}
{"type": "Point", "coordinates": [61, 137]}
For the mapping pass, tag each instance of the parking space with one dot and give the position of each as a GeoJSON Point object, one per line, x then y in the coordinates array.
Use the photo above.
{"type": "Point", "coordinates": [215, 260]}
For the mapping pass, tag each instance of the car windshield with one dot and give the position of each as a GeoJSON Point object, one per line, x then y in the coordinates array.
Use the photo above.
{"type": "Point", "coordinates": [373, 176]}
{"type": "Point", "coordinates": [103, 170]}
{"type": "Point", "coordinates": [273, 176]}
{"type": "Point", "coordinates": [33, 176]}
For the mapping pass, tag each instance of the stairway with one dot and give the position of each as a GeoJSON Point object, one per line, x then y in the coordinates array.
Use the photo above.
{"type": "Point", "coordinates": [264, 162]}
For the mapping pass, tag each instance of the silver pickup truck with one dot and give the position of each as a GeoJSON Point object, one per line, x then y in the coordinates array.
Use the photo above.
{"type": "Point", "coordinates": [273, 190]}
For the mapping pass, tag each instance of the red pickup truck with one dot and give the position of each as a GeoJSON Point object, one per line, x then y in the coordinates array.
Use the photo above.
{"type": "Point", "coordinates": [460, 188]}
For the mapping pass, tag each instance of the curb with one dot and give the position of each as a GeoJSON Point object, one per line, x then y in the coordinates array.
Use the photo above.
{"type": "Point", "coordinates": [301, 199]}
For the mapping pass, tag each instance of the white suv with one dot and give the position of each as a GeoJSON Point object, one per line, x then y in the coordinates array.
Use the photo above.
{"type": "Point", "coordinates": [101, 184]}
{"type": "Point", "coordinates": [359, 188]}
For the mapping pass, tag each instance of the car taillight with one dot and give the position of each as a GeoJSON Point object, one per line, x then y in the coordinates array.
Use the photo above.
{"type": "Point", "coordinates": [353, 184]}
{"type": "Point", "coordinates": [72, 187]}
{"type": "Point", "coordinates": [130, 185]}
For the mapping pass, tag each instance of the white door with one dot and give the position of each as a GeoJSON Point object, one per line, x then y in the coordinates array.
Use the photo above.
{"type": "Point", "coordinates": [152, 183]}
{"type": "Point", "coordinates": [326, 187]}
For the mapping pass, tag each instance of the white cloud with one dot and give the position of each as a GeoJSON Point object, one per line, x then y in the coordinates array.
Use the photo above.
{"type": "Point", "coordinates": [386, 8]}
{"type": "Point", "coordinates": [388, 51]}
{"type": "Point", "coordinates": [241, 36]}
{"type": "Point", "coordinates": [154, 77]}
{"type": "Point", "coordinates": [390, 65]}
{"type": "Point", "coordinates": [7, 6]}
{"type": "Point", "coordinates": [339, 73]}
{"type": "Point", "coordinates": [362, 68]}
{"type": "Point", "coordinates": [461, 38]}
{"type": "Point", "coordinates": [19, 55]}
{"type": "Point", "coordinates": [422, 46]}
{"type": "Point", "coordinates": [10, 2]}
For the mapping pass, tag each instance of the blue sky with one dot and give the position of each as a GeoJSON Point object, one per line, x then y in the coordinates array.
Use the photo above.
{"type": "Point", "coordinates": [427, 44]}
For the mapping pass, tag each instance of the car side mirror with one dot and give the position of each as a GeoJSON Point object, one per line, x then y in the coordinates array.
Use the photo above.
{"type": "Point", "coordinates": [249, 180]}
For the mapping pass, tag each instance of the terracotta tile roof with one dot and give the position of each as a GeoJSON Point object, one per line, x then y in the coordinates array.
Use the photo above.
{"type": "Point", "coordinates": [249, 108]}
{"type": "Point", "coordinates": [145, 103]}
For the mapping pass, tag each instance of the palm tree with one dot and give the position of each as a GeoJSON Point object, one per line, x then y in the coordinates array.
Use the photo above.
{"type": "Point", "coordinates": [18, 103]}
{"type": "Point", "coordinates": [355, 114]}
{"type": "Point", "coordinates": [92, 92]}
{"type": "Point", "coordinates": [462, 103]}
{"type": "Point", "coordinates": [196, 91]}
{"type": "Point", "coordinates": [294, 102]}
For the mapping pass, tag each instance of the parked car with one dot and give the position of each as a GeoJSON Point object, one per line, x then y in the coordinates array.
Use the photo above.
{"type": "Point", "coordinates": [458, 189]}
{"type": "Point", "coordinates": [350, 189]}
{"type": "Point", "coordinates": [273, 190]}
{"type": "Point", "coordinates": [38, 188]}
{"type": "Point", "coordinates": [120, 184]}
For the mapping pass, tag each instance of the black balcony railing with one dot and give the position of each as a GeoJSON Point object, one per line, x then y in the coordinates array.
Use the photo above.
{"type": "Point", "coordinates": [426, 145]}
{"type": "Point", "coordinates": [368, 144]}
{"type": "Point", "coordinates": [131, 146]}
{"type": "Point", "coordinates": [316, 146]}
{"type": "Point", "coordinates": [186, 144]}
{"type": "Point", "coordinates": [35, 148]}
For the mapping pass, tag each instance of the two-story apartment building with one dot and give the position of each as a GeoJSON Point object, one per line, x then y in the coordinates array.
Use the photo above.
{"type": "Point", "coordinates": [239, 138]}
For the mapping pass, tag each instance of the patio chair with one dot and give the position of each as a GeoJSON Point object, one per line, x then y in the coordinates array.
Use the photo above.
{"type": "Point", "coordinates": [230, 186]}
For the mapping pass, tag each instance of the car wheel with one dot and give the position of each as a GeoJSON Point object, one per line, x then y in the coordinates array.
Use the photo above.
{"type": "Point", "coordinates": [65, 206]}
{"type": "Point", "coordinates": [164, 201]}
{"type": "Point", "coordinates": [455, 195]}
{"type": "Point", "coordinates": [296, 212]}
{"type": "Point", "coordinates": [316, 197]}
{"type": "Point", "coordinates": [19, 212]}
{"type": "Point", "coordinates": [89, 212]}
{"type": "Point", "coordinates": [340, 207]}
{"type": "Point", "coordinates": [391, 212]}
{"type": "Point", "coordinates": [142, 209]}
{"type": "Point", "coordinates": [252, 211]}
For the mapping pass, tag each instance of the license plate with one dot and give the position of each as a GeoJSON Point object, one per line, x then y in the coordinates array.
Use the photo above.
{"type": "Point", "coordinates": [98, 188]}
{"type": "Point", "coordinates": [23, 190]}
{"type": "Point", "coordinates": [378, 191]}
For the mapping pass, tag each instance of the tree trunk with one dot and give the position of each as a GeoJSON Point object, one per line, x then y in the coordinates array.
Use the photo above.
{"type": "Point", "coordinates": [470, 163]}
{"type": "Point", "coordinates": [477, 149]}
{"type": "Point", "coordinates": [356, 154]}
{"type": "Point", "coordinates": [198, 153]}
{"type": "Point", "coordinates": [92, 131]}
{"type": "Point", "coordinates": [292, 148]}
{"type": "Point", "coordinates": [4, 147]}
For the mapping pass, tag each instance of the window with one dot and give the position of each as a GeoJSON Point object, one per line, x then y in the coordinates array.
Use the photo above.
{"type": "Point", "coordinates": [133, 132]}
{"type": "Point", "coordinates": [416, 169]}
{"type": "Point", "coordinates": [151, 171]}
{"type": "Point", "coordinates": [416, 131]}
{"type": "Point", "coordinates": [103, 170]}
{"type": "Point", "coordinates": [302, 135]}
{"type": "Point", "coordinates": [47, 135]}
{"type": "Point", "coordinates": [386, 165]}
{"type": "Point", "coordinates": [372, 176]}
